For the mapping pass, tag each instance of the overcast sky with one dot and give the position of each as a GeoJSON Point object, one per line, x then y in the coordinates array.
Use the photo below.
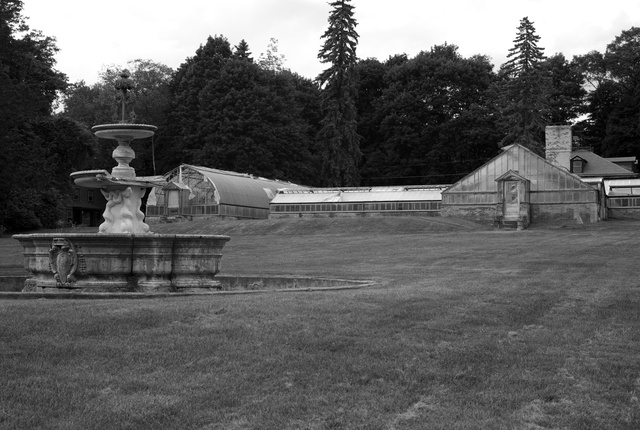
{"type": "Point", "coordinates": [93, 34]}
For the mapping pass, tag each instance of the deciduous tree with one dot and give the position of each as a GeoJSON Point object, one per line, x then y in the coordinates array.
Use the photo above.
{"type": "Point", "coordinates": [566, 92]}
{"type": "Point", "coordinates": [252, 122]}
{"type": "Point", "coordinates": [432, 119]}
{"type": "Point", "coordinates": [35, 145]}
{"type": "Point", "coordinates": [149, 104]}
{"type": "Point", "coordinates": [612, 126]}
{"type": "Point", "coordinates": [272, 60]}
{"type": "Point", "coordinates": [181, 135]}
{"type": "Point", "coordinates": [622, 60]}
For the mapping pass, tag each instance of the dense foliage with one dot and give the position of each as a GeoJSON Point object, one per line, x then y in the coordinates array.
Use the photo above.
{"type": "Point", "coordinates": [38, 149]}
{"type": "Point", "coordinates": [613, 104]}
{"type": "Point", "coordinates": [149, 101]}
{"type": "Point", "coordinates": [431, 118]}
{"type": "Point", "coordinates": [426, 119]}
{"type": "Point", "coordinates": [230, 113]}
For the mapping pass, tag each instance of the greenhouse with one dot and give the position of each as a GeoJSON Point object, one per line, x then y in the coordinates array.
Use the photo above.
{"type": "Point", "coordinates": [520, 187]}
{"type": "Point", "coordinates": [194, 191]}
{"type": "Point", "coordinates": [623, 198]}
{"type": "Point", "coordinates": [358, 201]}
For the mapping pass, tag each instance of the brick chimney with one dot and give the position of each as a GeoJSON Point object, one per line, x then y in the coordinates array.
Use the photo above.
{"type": "Point", "coordinates": [558, 139]}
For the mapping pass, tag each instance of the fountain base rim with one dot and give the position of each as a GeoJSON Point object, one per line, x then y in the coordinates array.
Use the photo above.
{"type": "Point", "coordinates": [332, 284]}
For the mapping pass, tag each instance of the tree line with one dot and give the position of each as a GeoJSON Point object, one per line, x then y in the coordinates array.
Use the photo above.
{"type": "Point", "coordinates": [427, 119]}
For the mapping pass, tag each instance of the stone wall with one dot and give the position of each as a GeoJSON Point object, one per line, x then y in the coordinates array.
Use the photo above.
{"type": "Point", "coordinates": [470, 212]}
{"type": "Point", "coordinates": [623, 213]}
{"type": "Point", "coordinates": [573, 212]}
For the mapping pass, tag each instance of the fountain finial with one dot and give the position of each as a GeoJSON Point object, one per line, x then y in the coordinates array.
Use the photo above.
{"type": "Point", "coordinates": [123, 85]}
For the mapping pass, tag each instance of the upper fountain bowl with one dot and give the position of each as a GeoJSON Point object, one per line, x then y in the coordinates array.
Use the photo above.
{"type": "Point", "coordinates": [124, 131]}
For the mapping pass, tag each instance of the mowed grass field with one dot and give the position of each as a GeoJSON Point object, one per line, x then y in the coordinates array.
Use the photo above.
{"type": "Point", "coordinates": [467, 328]}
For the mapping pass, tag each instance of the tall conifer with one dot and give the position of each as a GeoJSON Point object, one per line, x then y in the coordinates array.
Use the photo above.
{"type": "Point", "coordinates": [523, 90]}
{"type": "Point", "coordinates": [338, 140]}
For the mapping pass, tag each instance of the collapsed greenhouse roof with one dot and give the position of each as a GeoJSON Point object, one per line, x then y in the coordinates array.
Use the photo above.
{"type": "Point", "coordinates": [239, 189]}
{"type": "Point", "coordinates": [207, 191]}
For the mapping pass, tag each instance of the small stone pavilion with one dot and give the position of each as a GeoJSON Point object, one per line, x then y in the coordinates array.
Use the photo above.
{"type": "Point", "coordinates": [518, 188]}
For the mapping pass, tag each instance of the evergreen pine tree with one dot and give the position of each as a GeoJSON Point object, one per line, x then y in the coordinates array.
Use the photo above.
{"type": "Point", "coordinates": [338, 140]}
{"type": "Point", "coordinates": [525, 56]}
{"type": "Point", "coordinates": [241, 51]}
{"type": "Point", "coordinates": [523, 91]}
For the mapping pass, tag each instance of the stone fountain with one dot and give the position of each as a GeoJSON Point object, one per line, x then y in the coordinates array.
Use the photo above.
{"type": "Point", "coordinates": [123, 256]}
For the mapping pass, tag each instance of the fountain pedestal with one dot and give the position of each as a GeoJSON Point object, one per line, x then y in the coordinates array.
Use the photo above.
{"type": "Point", "coordinates": [121, 188]}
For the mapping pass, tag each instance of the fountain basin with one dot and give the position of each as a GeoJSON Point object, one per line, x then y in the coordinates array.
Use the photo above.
{"type": "Point", "coordinates": [95, 262]}
{"type": "Point", "coordinates": [124, 131]}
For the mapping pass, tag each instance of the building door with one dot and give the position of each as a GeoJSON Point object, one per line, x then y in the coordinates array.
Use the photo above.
{"type": "Point", "coordinates": [173, 202]}
{"type": "Point", "coordinates": [511, 201]}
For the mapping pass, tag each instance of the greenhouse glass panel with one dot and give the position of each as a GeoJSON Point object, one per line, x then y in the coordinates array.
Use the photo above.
{"type": "Point", "coordinates": [544, 197]}
{"type": "Point", "coordinates": [501, 164]}
{"type": "Point", "coordinates": [523, 167]}
{"type": "Point", "coordinates": [513, 159]}
{"type": "Point", "coordinates": [473, 184]}
{"type": "Point", "coordinates": [562, 181]}
{"type": "Point", "coordinates": [483, 178]}
{"type": "Point", "coordinates": [556, 179]}
{"type": "Point", "coordinates": [546, 177]}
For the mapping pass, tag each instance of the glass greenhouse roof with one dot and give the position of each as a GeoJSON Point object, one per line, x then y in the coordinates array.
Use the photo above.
{"type": "Point", "coordinates": [359, 194]}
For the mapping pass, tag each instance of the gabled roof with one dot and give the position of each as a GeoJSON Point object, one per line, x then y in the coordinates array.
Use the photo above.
{"type": "Point", "coordinates": [511, 176]}
{"type": "Point", "coordinates": [543, 175]}
{"type": "Point", "coordinates": [598, 166]}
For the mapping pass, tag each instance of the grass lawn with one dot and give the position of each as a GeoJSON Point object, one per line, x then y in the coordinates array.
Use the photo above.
{"type": "Point", "coordinates": [468, 328]}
